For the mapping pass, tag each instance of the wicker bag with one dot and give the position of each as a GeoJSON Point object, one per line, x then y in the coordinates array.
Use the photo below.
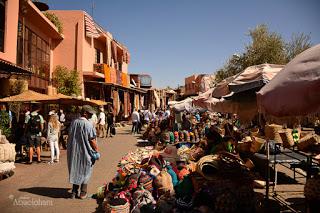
{"type": "Point", "coordinates": [118, 205]}
{"type": "Point", "coordinates": [208, 166]}
{"type": "Point", "coordinates": [272, 132]}
{"type": "Point", "coordinates": [309, 140]}
{"type": "Point", "coordinates": [287, 139]}
{"type": "Point", "coordinates": [257, 144]}
{"type": "Point", "coordinates": [163, 183]}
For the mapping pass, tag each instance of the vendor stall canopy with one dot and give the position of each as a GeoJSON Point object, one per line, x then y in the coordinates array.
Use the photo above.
{"type": "Point", "coordinates": [32, 96]}
{"type": "Point", "coordinates": [295, 91]}
{"type": "Point", "coordinates": [254, 76]}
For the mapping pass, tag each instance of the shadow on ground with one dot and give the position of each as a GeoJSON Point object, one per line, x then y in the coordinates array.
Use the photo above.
{"type": "Point", "coordinates": [48, 192]}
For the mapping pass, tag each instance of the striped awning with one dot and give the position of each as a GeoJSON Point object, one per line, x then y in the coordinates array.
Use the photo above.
{"type": "Point", "coordinates": [92, 29]}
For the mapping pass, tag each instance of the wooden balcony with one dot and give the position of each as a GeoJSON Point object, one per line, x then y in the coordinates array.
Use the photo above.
{"type": "Point", "coordinates": [97, 71]}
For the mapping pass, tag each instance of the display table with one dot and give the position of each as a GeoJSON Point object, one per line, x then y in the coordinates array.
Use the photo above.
{"type": "Point", "coordinates": [291, 159]}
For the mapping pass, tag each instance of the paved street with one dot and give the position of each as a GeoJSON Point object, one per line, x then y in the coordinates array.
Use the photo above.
{"type": "Point", "coordinates": [45, 188]}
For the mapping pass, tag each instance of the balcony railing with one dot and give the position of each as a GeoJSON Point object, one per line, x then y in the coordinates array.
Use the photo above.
{"type": "Point", "coordinates": [99, 68]}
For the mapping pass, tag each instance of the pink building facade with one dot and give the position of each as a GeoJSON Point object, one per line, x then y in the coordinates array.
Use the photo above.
{"type": "Point", "coordinates": [27, 41]}
{"type": "Point", "coordinates": [86, 45]}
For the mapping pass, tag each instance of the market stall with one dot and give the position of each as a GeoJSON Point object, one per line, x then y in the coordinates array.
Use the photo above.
{"type": "Point", "coordinates": [295, 92]}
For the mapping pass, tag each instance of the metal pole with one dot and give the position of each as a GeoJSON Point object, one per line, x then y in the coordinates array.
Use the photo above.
{"type": "Point", "coordinates": [268, 171]}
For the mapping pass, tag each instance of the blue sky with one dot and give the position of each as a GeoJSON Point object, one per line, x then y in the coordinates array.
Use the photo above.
{"type": "Point", "coordinates": [172, 39]}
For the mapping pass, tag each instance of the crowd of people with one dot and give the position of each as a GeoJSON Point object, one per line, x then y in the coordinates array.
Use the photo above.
{"type": "Point", "coordinates": [33, 129]}
{"type": "Point", "coordinates": [197, 162]}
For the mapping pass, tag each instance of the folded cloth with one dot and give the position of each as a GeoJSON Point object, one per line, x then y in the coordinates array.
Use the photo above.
{"type": "Point", "coordinates": [145, 181]}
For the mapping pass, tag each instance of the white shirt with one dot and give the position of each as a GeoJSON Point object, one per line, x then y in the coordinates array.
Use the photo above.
{"type": "Point", "coordinates": [94, 119]}
{"type": "Point", "coordinates": [62, 118]}
{"type": "Point", "coordinates": [102, 118]}
{"type": "Point", "coordinates": [147, 115]}
{"type": "Point", "coordinates": [135, 117]}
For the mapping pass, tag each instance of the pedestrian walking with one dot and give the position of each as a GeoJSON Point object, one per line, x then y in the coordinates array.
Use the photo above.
{"type": "Point", "coordinates": [34, 127]}
{"type": "Point", "coordinates": [82, 151]}
{"type": "Point", "coordinates": [102, 123]}
{"type": "Point", "coordinates": [141, 120]}
{"type": "Point", "coordinates": [110, 122]}
{"type": "Point", "coordinates": [135, 118]}
{"type": "Point", "coordinates": [147, 116]}
{"type": "Point", "coordinates": [53, 137]}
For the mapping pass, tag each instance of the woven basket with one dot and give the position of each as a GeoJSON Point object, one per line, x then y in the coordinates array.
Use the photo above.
{"type": "Point", "coordinates": [308, 141]}
{"type": "Point", "coordinates": [257, 144]}
{"type": "Point", "coordinates": [287, 139]}
{"type": "Point", "coordinates": [208, 166]}
{"type": "Point", "coordinates": [272, 132]}
{"type": "Point", "coordinates": [125, 208]}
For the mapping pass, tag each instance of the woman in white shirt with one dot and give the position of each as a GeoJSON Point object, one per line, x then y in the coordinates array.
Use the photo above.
{"type": "Point", "coordinates": [53, 137]}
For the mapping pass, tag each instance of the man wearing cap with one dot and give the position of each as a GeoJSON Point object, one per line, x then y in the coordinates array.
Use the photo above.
{"type": "Point", "coordinates": [34, 126]}
{"type": "Point", "coordinates": [81, 151]}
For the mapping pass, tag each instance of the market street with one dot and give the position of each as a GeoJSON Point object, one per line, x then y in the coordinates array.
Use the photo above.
{"type": "Point", "coordinates": [45, 188]}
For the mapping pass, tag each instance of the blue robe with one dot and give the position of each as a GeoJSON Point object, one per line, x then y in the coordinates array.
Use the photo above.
{"type": "Point", "coordinates": [79, 151]}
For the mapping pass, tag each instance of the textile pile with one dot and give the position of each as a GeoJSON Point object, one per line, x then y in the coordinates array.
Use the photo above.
{"type": "Point", "coordinates": [181, 171]}
{"type": "Point", "coordinates": [7, 157]}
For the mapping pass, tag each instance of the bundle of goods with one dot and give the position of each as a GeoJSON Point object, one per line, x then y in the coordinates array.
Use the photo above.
{"type": "Point", "coordinates": [272, 132]}
{"type": "Point", "coordinates": [306, 143]}
{"type": "Point", "coordinates": [287, 138]}
{"type": "Point", "coordinates": [7, 157]}
{"type": "Point", "coordinates": [148, 180]}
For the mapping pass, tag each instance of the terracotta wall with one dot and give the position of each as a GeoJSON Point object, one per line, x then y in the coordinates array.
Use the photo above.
{"type": "Point", "coordinates": [11, 31]}
{"type": "Point", "coordinates": [68, 52]}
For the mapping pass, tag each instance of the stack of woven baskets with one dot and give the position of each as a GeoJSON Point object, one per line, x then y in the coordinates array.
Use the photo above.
{"type": "Point", "coordinates": [7, 157]}
{"type": "Point", "coordinates": [272, 132]}
{"type": "Point", "coordinates": [229, 183]}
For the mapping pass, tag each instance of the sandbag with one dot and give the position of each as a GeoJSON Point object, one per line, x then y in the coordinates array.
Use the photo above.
{"type": "Point", "coordinates": [6, 167]}
{"type": "Point", "coordinates": [7, 152]}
